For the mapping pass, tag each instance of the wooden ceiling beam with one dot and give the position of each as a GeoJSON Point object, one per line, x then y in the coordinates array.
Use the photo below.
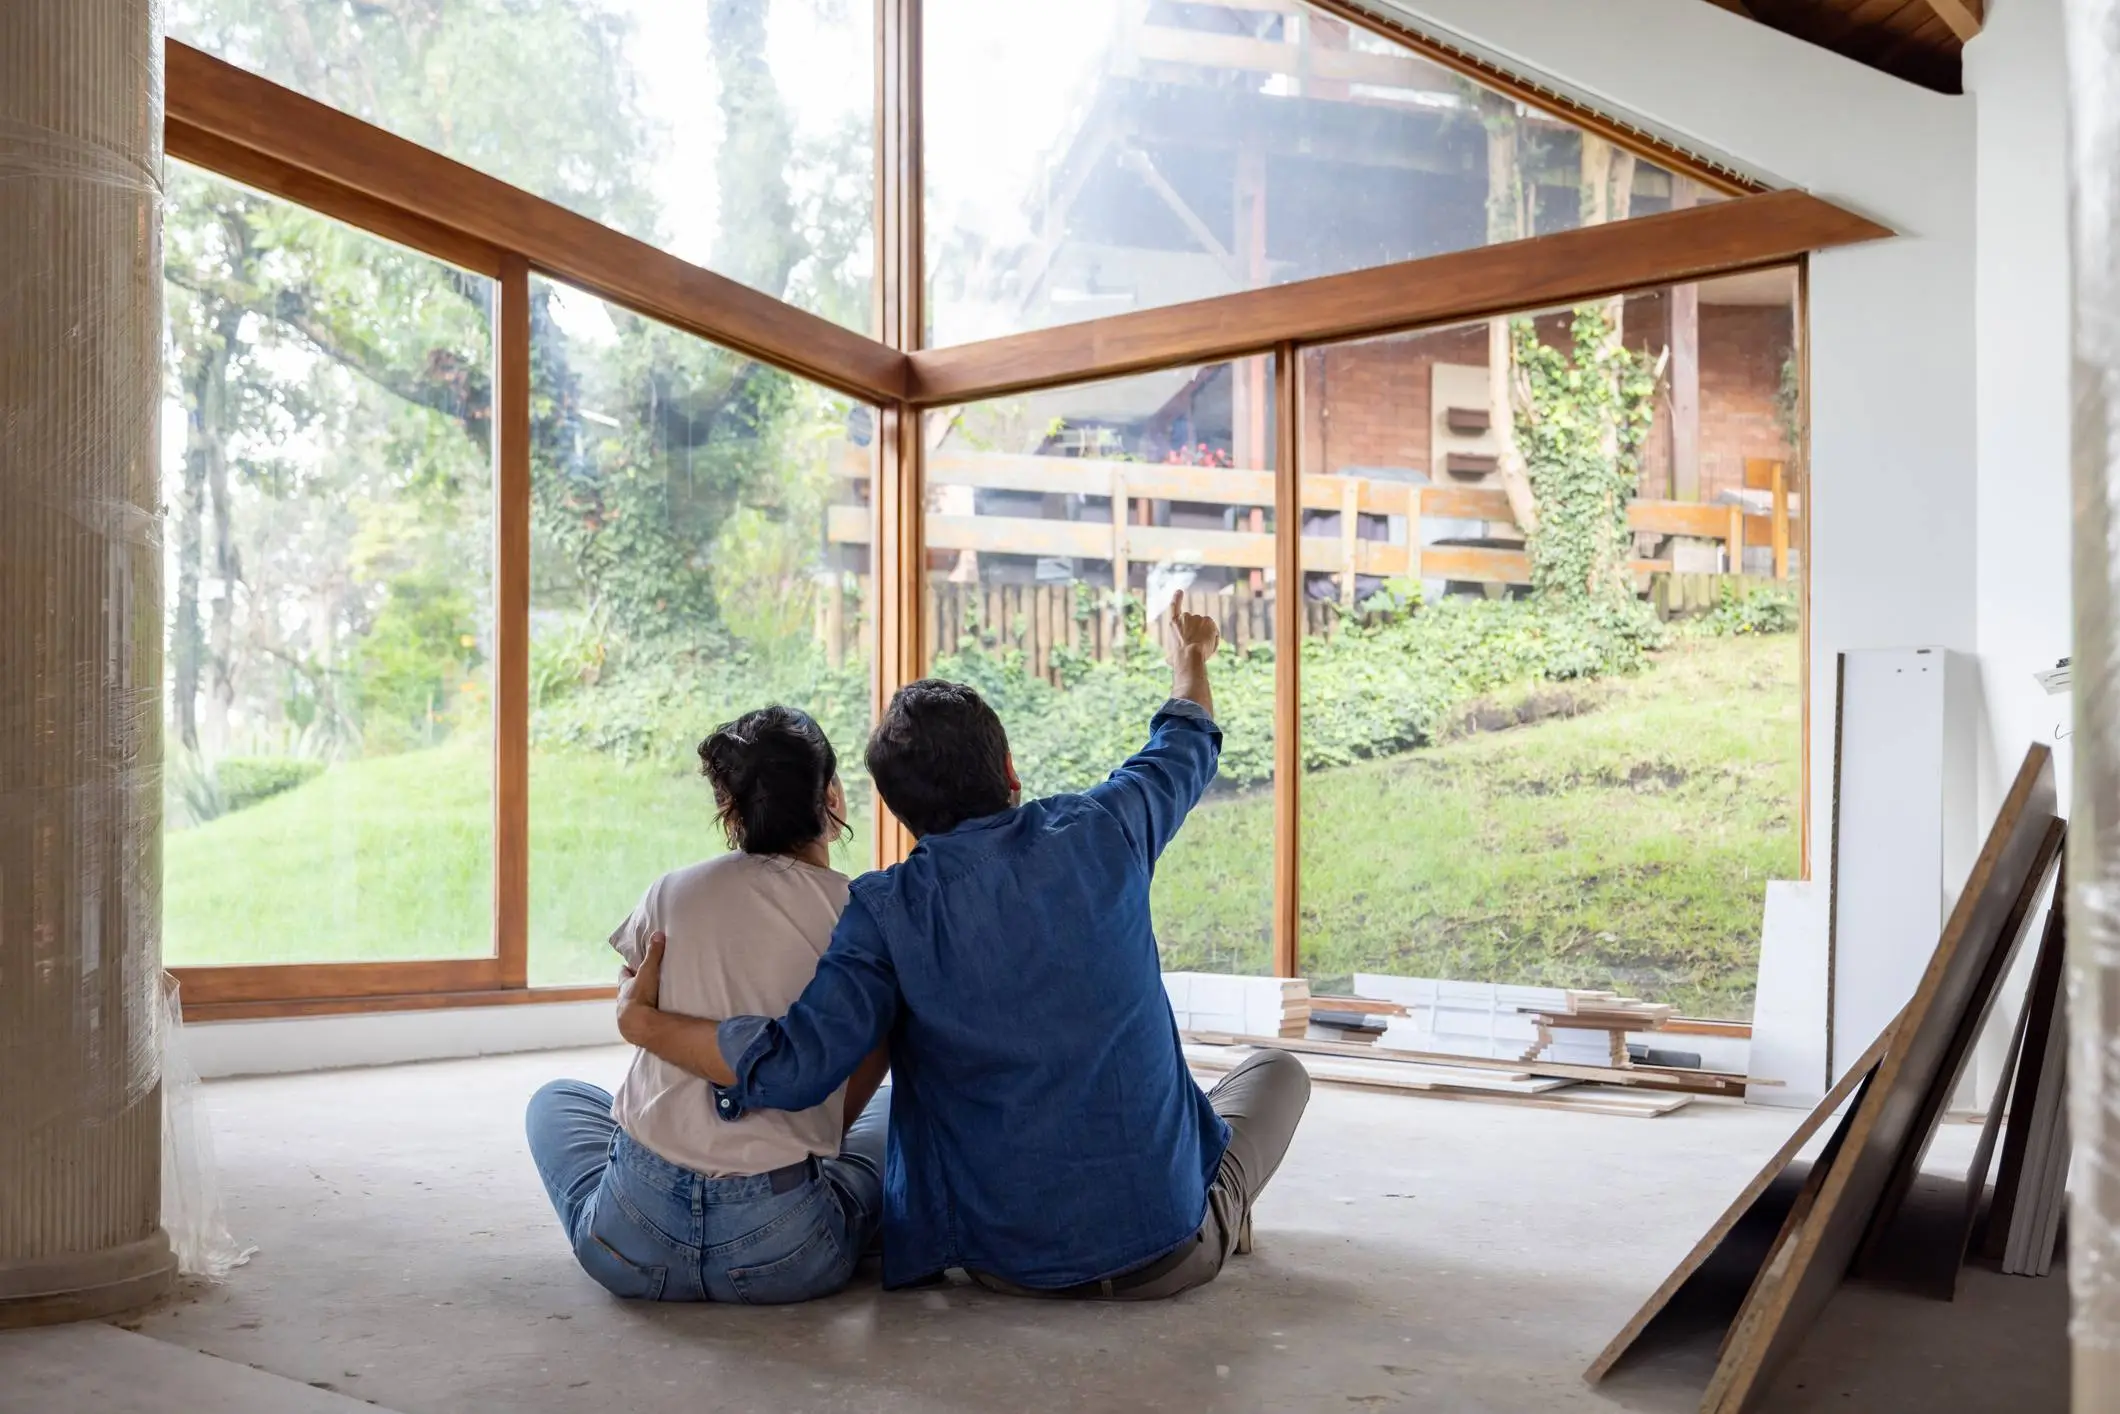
{"type": "Point", "coordinates": [215, 107]}
{"type": "Point", "coordinates": [1963, 16]}
{"type": "Point", "coordinates": [1592, 263]}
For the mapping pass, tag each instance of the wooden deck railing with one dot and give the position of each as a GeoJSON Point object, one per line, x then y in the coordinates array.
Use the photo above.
{"type": "Point", "coordinates": [1046, 621]}
{"type": "Point", "coordinates": [1344, 554]}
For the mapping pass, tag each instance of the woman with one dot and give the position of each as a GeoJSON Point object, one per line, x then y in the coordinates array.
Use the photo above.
{"type": "Point", "coordinates": [662, 1199]}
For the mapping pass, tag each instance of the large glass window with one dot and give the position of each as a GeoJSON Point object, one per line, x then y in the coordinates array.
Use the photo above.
{"type": "Point", "coordinates": [1571, 760]}
{"type": "Point", "coordinates": [328, 440]}
{"type": "Point", "coordinates": [1059, 525]}
{"type": "Point", "coordinates": [681, 574]}
{"type": "Point", "coordinates": [739, 135]}
{"type": "Point", "coordinates": [1107, 155]}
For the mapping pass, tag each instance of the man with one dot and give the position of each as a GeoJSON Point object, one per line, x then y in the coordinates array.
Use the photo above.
{"type": "Point", "coordinates": [1046, 1136]}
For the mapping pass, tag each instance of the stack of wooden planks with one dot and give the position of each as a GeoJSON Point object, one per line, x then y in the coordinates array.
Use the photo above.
{"type": "Point", "coordinates": [1605, 1012]}
{"type": "Point", "coordinates": [1641, 1092]}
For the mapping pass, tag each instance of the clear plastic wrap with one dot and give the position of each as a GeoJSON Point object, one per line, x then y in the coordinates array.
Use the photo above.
{"type": "Point", "coordinates": [80, 655]}
{"type": "Point", "coordinates": [2094, 841]}
{"type": "Point", "coordinates": [191, 1183]}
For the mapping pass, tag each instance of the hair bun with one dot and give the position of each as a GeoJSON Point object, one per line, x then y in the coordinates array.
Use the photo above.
{"type": "Point", "coordinates": [772, 772]}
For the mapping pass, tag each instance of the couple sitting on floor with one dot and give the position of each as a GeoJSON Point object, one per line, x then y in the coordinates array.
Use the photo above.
{"type": "Point", "coordinates": [1042, 1132]}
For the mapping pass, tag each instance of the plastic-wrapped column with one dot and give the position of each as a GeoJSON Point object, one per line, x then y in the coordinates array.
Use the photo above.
{"type": "Point", "coordinates": [2094, 835]}
{"type": "Point", "coordinates": [80, 657]}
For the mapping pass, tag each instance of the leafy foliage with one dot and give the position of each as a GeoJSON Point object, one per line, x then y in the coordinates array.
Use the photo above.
{"type": "Point", "coordinates": [1753, 610]}
{"type": "Point", "coordinates": [416, 663]}
{"type": "Point", "coordinates": [246, 780]}
{"type": "Point", "coordinates": [1589, 410]}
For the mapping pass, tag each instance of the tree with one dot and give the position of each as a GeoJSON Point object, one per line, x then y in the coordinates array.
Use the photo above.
{"type": "Point", "coordinates": [261, 292]}
{"type": "Point", "coordinates": [1507, 220]}
{"type": "Point", "coordinates": [288, 331]}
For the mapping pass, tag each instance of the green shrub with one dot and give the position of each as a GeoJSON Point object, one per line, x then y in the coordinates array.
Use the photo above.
{"type": "Point", "coordinates": [246, 780]}
{"type": "Point", "coordinates": [651, 703]}
{"type": "Point", "coordinates": [416, 662]}
{"type": "Point", "coordinates": [1392, 680]}
{"type": "Point", "coordinates": [1768, 609]}
{"type": "Point", "coordinates": [1373, 689]}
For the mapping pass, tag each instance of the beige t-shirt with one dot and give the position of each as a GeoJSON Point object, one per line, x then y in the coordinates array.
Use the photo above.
{"type": "Point", "coordinates": [743, 933]}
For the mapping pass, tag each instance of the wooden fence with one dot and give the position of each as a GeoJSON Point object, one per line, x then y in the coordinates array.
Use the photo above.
{"type": "Point", "coordinates": [1041, 619]}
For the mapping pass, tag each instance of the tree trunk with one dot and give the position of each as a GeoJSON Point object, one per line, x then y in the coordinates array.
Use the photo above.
{"type": "Point", "coordinates": [227, 569]}
{"type": "Point", "coordinates": [755, 239]}
{"type": "Point", "coordinates": [1608, 195]}
{"type": "Point", "coordinates": [205, 449]}
{"type": "Point", "coordinates": [1505, 223]}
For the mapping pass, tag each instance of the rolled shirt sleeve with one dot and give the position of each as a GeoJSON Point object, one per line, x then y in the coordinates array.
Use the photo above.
{"type": "Point", "coordinates": [1151, 794]}
{"type": "Point", "coordinates": [842, 1015]}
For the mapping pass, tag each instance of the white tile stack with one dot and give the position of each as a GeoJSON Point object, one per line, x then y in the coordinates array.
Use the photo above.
{"type": "Point", "coordinates": [1477, 1019]}
{"type": "Point", "coordinates": [1214, 1003]}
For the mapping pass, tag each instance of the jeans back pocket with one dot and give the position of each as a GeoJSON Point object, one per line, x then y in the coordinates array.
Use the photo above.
{"type": "Point", "coordinates": [818, 1266]}
{"type": "Point", "coordinates": [619, 1274]}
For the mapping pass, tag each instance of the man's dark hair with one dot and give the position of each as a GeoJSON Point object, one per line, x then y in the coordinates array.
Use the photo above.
{"type": "Point", "coordinates": [939, 757]}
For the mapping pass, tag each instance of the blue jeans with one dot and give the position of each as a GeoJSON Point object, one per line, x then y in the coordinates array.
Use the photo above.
{"type": "Point", "coordinates": [647, 1229]}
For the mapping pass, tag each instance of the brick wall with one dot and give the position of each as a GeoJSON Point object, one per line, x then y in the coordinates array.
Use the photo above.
{"type": "Point", "coordinates": [1370, 402]}
{"type": "Point", "coordinates": [1742, 348]}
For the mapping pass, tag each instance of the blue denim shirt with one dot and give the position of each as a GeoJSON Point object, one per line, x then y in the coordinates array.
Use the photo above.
{"type": "Point", "coordinates": [1044, 1127]}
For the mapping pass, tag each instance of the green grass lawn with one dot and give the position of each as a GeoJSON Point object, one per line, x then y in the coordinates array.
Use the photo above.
{"type": "Point", "coordinates": [390, 858]}
{"type": "Point", "coordinates": [1627, 846]}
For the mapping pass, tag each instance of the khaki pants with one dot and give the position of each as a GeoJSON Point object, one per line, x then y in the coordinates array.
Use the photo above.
{"type": "Point", "coordinates": [1261, 1101]}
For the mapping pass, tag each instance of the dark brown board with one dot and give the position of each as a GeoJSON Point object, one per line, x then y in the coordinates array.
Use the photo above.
{"type": "Point", "coordinates": [2041, 1009]}
{"type": "Point", "coordinates": [1942, 1277]}
{"type": "Point", "coordinates": [1715, 1261]}
{"type": "Point", "coordinates": [1802, 1276]}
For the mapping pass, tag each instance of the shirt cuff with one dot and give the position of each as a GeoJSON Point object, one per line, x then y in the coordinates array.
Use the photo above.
{"type": "Point", "coordinates": [1185, 707]}
{"type": "Point", "coordinates": [739, 1037]}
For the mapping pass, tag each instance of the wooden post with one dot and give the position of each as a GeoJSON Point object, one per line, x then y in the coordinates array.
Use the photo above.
{"type": "Point", "coordinates": [1122, 570]}
{"type": "Point", "coordinates": [1036, 630]}
{"type": "Point", "coordinates": [1350, 538]}
{"type": "Point", "coordinates": [1781, 520]}
{"type": "Point", "coordinates": [1258, 527]}
{"type": "Point", "coordinates": [1684, 310]}
{"type": "Point", "coordinates": [1288, 661]}
{"type": "Point", "coordinates": [930, 622]}
{"type": "Point", "coordinates": [865, 612]}
{"type": "Point", "coordinates": [511, 667]}
{"type": "Point", "coordinates": [832, 598]}
{"type": "Point", "coordinates": [1737, 539]}
{"type": "Point", "coordinates": [898, 555]}
{"type": "Point", "coordinates": [1248, 377]}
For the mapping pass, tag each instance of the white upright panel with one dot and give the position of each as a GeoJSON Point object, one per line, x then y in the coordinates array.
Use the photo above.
{"type": "Point", "coordinates": [1901, 742]}
{"type": "Point", "coordinates": [1789, 1017]}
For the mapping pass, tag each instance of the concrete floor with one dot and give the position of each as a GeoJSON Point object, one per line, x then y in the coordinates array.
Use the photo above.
{"type": "Point", "coordinates": [1412, 1254]}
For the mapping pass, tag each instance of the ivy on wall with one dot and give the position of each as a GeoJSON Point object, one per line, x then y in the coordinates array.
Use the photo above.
{"type": "Point", "coordinates": [1583, 412]}
{"type": "Point", "coordinates": [1581, 423]}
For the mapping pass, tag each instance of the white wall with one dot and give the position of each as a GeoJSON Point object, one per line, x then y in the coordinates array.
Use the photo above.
{"type": "Point", "coordinates": [2018, 79]}
{"type": "Point", "coordinates": [218, 1049]}
{"type": "Point", "coordinates": [2017, 75]}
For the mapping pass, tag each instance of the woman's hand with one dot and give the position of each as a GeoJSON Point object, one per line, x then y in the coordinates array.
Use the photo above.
{"type": "Point", "coordinates": [638, 990]}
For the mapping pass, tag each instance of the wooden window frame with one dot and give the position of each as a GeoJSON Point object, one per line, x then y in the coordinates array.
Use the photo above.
{"type": "Point", "coordinates": [238, 125]}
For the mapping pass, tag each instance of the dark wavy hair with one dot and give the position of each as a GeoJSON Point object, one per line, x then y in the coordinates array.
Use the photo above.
{"type": "Point", "coordinates": [772, 773]}
{"type": "Point", "coordinates": [939, 757]}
